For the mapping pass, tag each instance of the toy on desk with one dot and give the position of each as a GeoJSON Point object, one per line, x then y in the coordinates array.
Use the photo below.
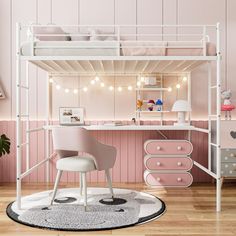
{"type": "Point", "coordinates": [227, 106]}
{"type": "Point", "coordinates": [139, 104]}
{"type": "Point", "coordinates": [150, 105]}
{"type": "Point", "coordinates": [159, 104]}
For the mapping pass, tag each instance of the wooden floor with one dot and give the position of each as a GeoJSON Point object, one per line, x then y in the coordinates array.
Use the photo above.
{"type": "Point", "coordinates": [189, 212]}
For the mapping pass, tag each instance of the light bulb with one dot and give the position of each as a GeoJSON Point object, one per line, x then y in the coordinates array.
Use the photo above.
{"type": "Point", "coordinates": [67, 90]}
{"type": "Point", "coordinates": [142, 79]}
{"type": "Point", "coordinates": [92, 82]}
{"type": "Point", "coordinates": [111, 88]}
{"type": "Point", "coordinates": [75, 91]}
{"type": "Point", "coordinates": [177, 86]}
{"type": "Point", "coordinates": [85, 89]}
{"type": "Point", "coordinates": [102, 85]}
{"type": "Point", "coordinates": [119, 89]}
{"type": "Point", "coordinates": [130, 88]}
{"type": "Point", "coordinates": [58, 87]}
{"type": "Point", "coordinates": [51, 80]}
{"type": "Point", "coordinates": [138, 83]}
{"type": "Point", "coordinates": [97, 78]}
{"type": "Point", "coordinates": [184, 78]}
{"type": "Point", "coordinates": [169, 89]}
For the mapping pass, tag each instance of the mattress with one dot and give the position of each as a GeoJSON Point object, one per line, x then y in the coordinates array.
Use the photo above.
{"type": "Point", "coordinates": [110, 48]}
{"type": "Point", "coordinates": [167, 49]}
{"type": "Point", "coordinates": [71, 48]}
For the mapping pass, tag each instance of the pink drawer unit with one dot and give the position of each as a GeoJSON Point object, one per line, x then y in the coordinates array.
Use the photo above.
{"type": "Point", "coordinates": [168, 147]}
{"type": "Point", "coordinates": [168, 163]}
{"type": "Point", "coordinates": [158, 179]}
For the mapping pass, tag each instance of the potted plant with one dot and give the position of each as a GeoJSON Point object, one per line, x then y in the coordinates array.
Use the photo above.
{"type": "Point", "coordinates": [4, 145]}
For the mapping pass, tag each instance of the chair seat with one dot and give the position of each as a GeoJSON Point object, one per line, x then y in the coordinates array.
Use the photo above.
{"type": "Point", "coordinates": [76, 163]}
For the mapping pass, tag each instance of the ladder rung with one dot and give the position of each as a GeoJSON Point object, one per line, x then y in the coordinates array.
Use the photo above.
{"type": "Point", "coordinates": [24, 115]}
{"type": "Point", "coordinates": [23, 144]}
{"type": "Point", "coordinates": [24, 87]}
{"type": "Point", "coordinates": [214, 144]}
{"type": "Point", "coordinates": [212, 87]}
{"type": "Point", "coordinates": [212, 115]}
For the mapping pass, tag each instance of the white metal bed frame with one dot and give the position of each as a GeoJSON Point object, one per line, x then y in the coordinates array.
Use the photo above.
{"type": "Point", "coordinates": [191, 59]}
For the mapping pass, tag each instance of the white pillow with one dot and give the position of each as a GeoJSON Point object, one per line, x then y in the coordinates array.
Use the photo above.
{"type": "Point", "coordinates": [94, 35]}
{"type": "Point", "coordinates": [50, 30]}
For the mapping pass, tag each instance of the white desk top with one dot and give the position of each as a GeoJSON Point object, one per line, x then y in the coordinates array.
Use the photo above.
{"type": "Point", "coordinates": [128, 127]}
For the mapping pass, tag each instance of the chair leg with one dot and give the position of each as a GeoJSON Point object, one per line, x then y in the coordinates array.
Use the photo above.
{"type": "Point", "coordinates": [108, 176]}
{"type": "Point", "coordinates": [81, 184]}
{"type": "Point", "coordinates": [59, 172]}
{"type": "Point", "coordinates": [85, 190]}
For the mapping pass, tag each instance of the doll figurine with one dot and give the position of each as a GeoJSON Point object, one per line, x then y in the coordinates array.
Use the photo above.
{"type": "Point", "coordinates": [139, 105]}
{"type": "Point", "coordinates": [159, 104]}
{"type": "Point", "coordinates": [227, 106]}
{"type": "Point", "coordinates": [150, 105]}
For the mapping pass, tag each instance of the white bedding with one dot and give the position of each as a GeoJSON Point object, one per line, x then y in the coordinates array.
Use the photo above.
{"type": "Point", "coordinates": [110, 48]}
{"type": "Point", "coordinates": [71, 48]}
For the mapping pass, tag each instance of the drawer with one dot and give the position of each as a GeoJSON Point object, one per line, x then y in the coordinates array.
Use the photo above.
{"type": "Point", "coordinates": [168, 147]}
{"type": "Point", "coordinates": [157, 179]}
{"type": "Point", "coordinates": [168, 163]}
{"type": "Point", "coordinates": [228, 169]}
{"type": "Point", "coordinates": [228, 155]}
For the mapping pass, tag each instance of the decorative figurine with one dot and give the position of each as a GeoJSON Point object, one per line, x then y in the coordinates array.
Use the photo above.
{"type": "Point", "coordinates": [159, 104]}
{"type": "Point", "coordinates": [227, 106]}
{"type": "Point", "coordinates": [150, 105]}
{"type": "Point", "coordinates": [139, 104]}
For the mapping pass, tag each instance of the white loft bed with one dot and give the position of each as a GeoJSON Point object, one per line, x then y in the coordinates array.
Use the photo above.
{"type": "Point", "coordinates": [121, 54]}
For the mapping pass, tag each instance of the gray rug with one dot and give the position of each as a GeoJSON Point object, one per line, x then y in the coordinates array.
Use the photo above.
{"type": "Point", "coordinates": [127, 209]}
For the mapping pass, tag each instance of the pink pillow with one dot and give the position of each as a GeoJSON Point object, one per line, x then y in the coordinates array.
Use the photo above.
{"type": "Point", "coordinates": [50, 30]}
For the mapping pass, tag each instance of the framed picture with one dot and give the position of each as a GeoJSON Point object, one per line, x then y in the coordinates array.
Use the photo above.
{"type": "Point", "coordinates": [71, 115]}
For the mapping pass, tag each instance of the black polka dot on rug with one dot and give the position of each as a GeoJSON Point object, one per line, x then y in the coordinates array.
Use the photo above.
{"type": "Point", "coordinates": [65, 200]}
{"type": "Point", "coordinates": [113, 201]}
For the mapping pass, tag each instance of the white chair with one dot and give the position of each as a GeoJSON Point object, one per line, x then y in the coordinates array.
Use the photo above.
{"type": "Point", "coordinates": [67, 142]}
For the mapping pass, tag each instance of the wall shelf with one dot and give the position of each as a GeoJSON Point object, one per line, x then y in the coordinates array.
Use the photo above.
{"type": "Point", "coordinates": [151, 89]}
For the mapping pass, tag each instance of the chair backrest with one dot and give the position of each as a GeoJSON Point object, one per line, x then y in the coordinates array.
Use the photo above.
{"type": "Point", "coordinates": [78, 139]}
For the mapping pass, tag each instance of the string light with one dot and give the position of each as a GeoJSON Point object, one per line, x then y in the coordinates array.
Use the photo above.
{"type": "Point", "coordinates": [177, 86]}
{"type": "Point", "coordinates": [51, 80]}
{"type": "Point", "coordinates": [169, 89]}
{"type": "Point", "coordinates": [85, 89]}
{"type": "Point", "coordinates": [75, 91]}
{"type": "Point", "coordinates": [58, 87]}
{"type": "Point", "coordinates": [184, 78]}
{"type": "Point", "coordinates": [111, 88]}
{"type": "Point", "coordinates": [130, 88]}
{"type": "Point", "coordinates": [97, 78]}
{"type": "Point", "coordinates": [119, 89]}
{"type": "Point", "coordinates": [102, 84]}
{"type": "Point", "coordinates": [142, 79]}
{"type": "Point", "coordinates": [67, 90]}
{"type": "Point", "coordinates": [92, 82]}
{"type": "Point", "coordinates": [138, 83]}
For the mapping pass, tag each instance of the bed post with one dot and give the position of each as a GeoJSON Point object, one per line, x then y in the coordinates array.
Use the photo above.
{"type": "Point", "coordinates": [218, 110]}
{"type": "Point", "coordinates": [47, 140]}
{"type": "Point", "coordinates": [18, 117]}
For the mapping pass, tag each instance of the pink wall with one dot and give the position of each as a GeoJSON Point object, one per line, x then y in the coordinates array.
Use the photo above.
{"type": "Point", "coordinates": [117, 106]}
{"type": "Point", "coordinates": [115, 12]}
{"type": "Point", "coordinates": [129, 164]}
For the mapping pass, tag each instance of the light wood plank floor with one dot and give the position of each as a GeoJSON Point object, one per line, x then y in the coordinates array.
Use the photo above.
{"type": "Point", "coordinates": [189, 212]}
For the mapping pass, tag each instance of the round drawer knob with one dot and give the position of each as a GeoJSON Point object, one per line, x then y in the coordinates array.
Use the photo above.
{"type": "Point", "coordinates": [179, 148]}
{"type": "Point", "coordinates": [158, 179]}
{"type": "Point", "coordinates": [232, 155]}
{"type": "Point", "coordinates": [179, 163]}
{"type": "Point", "coordinates": [226, 166]}
{"type": "Point", "coordinates": [231, 172]}
{"type": "Point", "coordinates": [158, 148]}
{"type": "Point", "coordinates": [158, 163]}
{"type": "Point", "coordinates": [179, 179]}
{"type": "Point", "coordinates": [226, 158]}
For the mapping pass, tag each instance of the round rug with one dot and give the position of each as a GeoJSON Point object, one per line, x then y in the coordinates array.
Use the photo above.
{"type": "Point", "coordinates": [128, 208]}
